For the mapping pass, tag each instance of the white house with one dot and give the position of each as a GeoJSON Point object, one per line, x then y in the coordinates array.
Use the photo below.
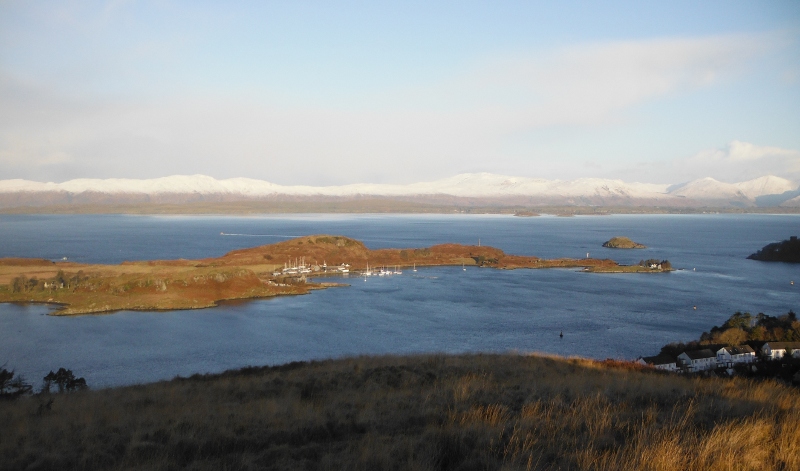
{"type": "Point", "coordinates": [659, 362]}
{"type": "Point", "coordinates": [776, 350]}
{"type": "Point", "coordinates": [729, 356]}
{"type": "Point", "coordinates": [697, 360]}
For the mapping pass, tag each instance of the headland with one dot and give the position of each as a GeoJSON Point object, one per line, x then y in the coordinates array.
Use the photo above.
{"type": "Point", "coordinates": [283, 268]}
{"type": "Point", "coordinates": [784, 251]}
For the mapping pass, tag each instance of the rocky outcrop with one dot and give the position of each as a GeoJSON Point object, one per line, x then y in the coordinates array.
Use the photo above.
{"type": "Point", "coordinates": [622, 243]}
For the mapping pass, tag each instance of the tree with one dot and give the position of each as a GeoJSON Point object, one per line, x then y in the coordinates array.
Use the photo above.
{"type": "Point", "coordinates": [12, 385]}
{"type": "Point", "coordinates": [65, 380]}
{"type": "Point", "coordinates": [19, 284]}
{"type": "Point", "coordinates": [733, 337]}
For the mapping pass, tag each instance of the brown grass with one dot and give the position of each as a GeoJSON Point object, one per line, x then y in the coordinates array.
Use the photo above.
{"type": "Point", "coordinates": [239, 274]}
{"type": "Point", "coordinates": [509, 412]}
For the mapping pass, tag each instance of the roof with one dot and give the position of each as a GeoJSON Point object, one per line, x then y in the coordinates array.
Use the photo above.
{"type": "Point", "coordinates": [782, 345]}
{"type": "Point", "coordinates": [739, 350]}
{"type": "Point", "coordinates": [659, 359]}
{"type": "Point", "coordinates": [700, 354]}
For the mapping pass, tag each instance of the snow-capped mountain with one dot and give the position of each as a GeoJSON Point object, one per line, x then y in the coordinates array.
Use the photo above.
{"type": "Point", "coordinates": [468, 185]}
{"type": "Point", "coordinates": [708, 189]}
{"type": "Point", "coordinates": [768, 185]}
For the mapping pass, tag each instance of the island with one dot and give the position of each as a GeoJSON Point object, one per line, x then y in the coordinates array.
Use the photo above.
{"type": "Point", "coordinates": [622, 243]}
{"type": "Point", "coordinates": [525, 214]}
{"type": "Point", "coordinates": [785, 251]}
{"type": "Point", "coordinates": [290, 267]}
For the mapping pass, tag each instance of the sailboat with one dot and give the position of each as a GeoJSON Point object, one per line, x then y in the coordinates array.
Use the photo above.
{"type": "Point", "coordinates": [415, 267]}
{"type": "Point", "coordinates": [397, 270]}
{"type": "Point", "coordinates": [463, 267]}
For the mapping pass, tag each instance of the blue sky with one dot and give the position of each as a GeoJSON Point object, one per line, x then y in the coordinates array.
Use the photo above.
{"type": "Point", "coordinates": [346, 92]}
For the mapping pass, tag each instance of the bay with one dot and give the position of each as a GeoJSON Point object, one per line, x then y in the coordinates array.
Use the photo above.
{"type": "Point", "coordinates": [443, 309]}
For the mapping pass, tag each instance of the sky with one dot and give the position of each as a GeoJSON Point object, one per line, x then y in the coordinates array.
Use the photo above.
{"type": "Point", "coordinates": [330, 93]}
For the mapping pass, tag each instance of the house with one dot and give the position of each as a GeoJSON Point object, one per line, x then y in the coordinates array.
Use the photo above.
{"type": "Point", "coordinates": [729, 356]}
{"type": "Point", "coordinates": [659, 362]}
{"type": "Point", "coordinates": [697, 360]}
{"type": "Point", "coordinates": [776, 350]}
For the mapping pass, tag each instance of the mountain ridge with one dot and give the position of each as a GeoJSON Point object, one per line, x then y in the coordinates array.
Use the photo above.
{"type": "Point", "coordinates": [582, 191]}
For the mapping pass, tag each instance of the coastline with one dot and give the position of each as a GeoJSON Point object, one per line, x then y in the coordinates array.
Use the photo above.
{"type": "Point", "coordinates": [378, 206]}
{"type": "Point", "coordinates": [259, 272]}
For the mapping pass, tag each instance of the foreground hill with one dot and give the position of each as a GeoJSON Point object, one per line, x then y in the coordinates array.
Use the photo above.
{"type": "Point", "coordinates": [430, 412]}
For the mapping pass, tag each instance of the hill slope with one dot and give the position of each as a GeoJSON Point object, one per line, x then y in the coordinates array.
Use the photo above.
{"type": "Point", "coordinates": [430, 412]}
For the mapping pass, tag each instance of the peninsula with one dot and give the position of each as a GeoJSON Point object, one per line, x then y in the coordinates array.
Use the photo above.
{"type": "Point", "coordinates": [785, 251]}
{"type": "Point", "coordinates": [282, 268]}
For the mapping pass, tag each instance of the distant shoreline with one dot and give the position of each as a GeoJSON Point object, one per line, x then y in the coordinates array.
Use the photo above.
{"type": "Point", "coordinates": [374, 205]}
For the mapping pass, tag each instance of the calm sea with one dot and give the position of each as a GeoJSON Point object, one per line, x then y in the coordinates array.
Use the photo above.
{"type": "Point", "coordinates": [432, 310]}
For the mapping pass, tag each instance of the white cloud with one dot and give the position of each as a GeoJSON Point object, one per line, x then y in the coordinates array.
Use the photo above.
{"type": "Point", "coordinates": [740, 161]}
{"type": "Point", "coordinates": [736, 162]}
{"type": "Point", "coordinates": [743, 151]}
{"type": "Point", "coordinates": [439, 130]}
{"type": "Point", "coordinates": [588, 83]}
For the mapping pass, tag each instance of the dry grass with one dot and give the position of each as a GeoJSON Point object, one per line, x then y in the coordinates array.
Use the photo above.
{"type": "Point", "coordinates": [239, 274]}
{"type": "Point", "coordinates": [509, 412]}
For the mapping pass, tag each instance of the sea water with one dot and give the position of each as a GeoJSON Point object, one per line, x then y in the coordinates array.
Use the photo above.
{"type": "Point", "coordinates": [442, 309]}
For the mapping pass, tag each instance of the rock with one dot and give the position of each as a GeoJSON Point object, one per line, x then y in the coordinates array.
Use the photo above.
{"type": "Point", "coordinates": [622, 243]}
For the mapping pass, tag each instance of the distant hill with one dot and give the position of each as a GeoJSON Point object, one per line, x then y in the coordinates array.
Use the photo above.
{"type": "Point", "coordinates": [468, 189]}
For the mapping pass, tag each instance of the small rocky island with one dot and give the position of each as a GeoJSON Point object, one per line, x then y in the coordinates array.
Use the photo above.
{"type": "Point", "coordinates": [622, 243]}
{"type": "Point", "coordinates": [785, 251]}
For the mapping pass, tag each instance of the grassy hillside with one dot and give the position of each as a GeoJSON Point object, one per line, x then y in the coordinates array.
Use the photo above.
{"type": "Point", "coordinates": [420, 412]}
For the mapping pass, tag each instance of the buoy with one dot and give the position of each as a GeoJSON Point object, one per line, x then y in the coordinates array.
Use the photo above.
{"type": "Point", "coordinates": [694, 269]}
{"type": "Point", "coordinates": [791, 282]}
{"type": "Point", "coordinates": [695, 308]}
{"type": "Point", "coordinates": [561, 334]}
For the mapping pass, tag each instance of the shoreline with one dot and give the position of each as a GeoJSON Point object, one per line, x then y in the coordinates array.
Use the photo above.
{"type": "Point", "coordinates": [376, 206]}
{"type": "Point", "coordinates": [278, 269]}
